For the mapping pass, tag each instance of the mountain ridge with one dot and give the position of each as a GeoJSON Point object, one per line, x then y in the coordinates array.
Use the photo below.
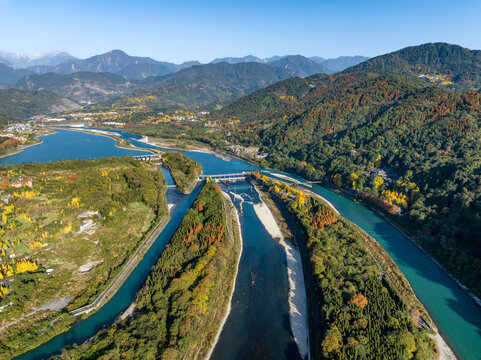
{"type": "Point", "coordinates": [450, 66]}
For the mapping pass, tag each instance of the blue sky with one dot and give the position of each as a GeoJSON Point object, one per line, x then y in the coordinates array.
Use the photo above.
{"type": "Point", "coordinates": [204, 29]}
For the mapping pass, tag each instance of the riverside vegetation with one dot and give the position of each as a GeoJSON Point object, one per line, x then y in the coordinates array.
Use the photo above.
{"type": "Point", "coordinates": [180, 307]}
{"type": "Point", "coordinates": [391, 130]}
{"type": "Point", "coordinates": [183, 169]}
{"type": "Point", "coordinates": [411, 151]}
{"type": "Point", "coordinates": [363, 315]}
{"type": "Point", "coordinates": [80, 220]}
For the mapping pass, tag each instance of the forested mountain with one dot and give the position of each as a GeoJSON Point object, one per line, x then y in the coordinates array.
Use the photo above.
{"type": "Point", "coordinates": [21, 104]}
{"type": "Point", "coordinates": [193, 86]}
{"type": "Point", "coordinates": [446, 65]}
{"type": "Point", "coordinates": [300, 65]}
{"type": "Point", "coordinates": [81, 87]}
{"type": "Point", "coordinates": [205, 84]}
{"type": "Point", "coordinates": [400, 145]}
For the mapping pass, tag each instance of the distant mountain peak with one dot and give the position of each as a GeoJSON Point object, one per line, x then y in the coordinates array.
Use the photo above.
{"type": "Point", "coordinates": [23, 61]}
{"type": "Point", "coordinates": [300, 65]}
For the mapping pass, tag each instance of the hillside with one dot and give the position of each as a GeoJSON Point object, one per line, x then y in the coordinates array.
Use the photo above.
{"type": "Point", "coordinates": [450, 66]}
{"type": "Point", "coordinates": [204, 85]}
{"type": "Point", "coordinates": [9, 75]}
{"type": "Point", "coordinates": [300, 65]}
{"type": "Point", "coordinates": [22, 104]}
{"type": "Point", "coordinates": [81, 87]}
{"type": "Point", "coordinates": [400, 145]}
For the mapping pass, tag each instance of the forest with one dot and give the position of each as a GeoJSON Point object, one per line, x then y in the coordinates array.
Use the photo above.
{"type": "Point", "coordinates": [411, 151]}
{"type": "Point", "coordinates": [183, 169]}
{"type": "Point", "coordinates": [179, 307]}
{"type": "Point", "coordinates": [66, 230]}
{"type": "Point", "coordinates": [363, 314]}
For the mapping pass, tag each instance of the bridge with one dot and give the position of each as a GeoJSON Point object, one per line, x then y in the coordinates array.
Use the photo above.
{"type": "Point", "coordinates": [226, 177]}
{"type": "Point", "coordinates": [149, 157]}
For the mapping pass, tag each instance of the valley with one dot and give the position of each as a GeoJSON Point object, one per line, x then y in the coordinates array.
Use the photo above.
{"type": "Point", "coordinates": [392, 143]}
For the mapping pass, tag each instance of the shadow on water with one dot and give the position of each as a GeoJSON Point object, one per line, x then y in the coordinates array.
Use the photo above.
{"type": "Point", "coordinates": [258, 326]}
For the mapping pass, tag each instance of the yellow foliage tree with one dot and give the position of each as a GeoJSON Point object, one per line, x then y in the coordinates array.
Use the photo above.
{"type": "Point", "coordinates": [75, 202]}
{"type": "Point", "coordinates": [353, 178]}
{"type": "Point", "coordinates": [378, 181]}
{"type": "Point", "coordinates": [25, 266]}
{"type": "Point", "coordinates": [4, 291]}
{"type": "Point", "coordinates": [337, 179]}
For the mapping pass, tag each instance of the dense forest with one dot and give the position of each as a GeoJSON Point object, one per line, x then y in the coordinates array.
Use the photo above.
{"type": "Point", "coordinates": [445, 65]}
{"type": "Point", "coordinates": [363, 315]}
{"type": "Point", "coordinates": [66, 230]}
{"type": "Point", "coordinates": [183, 169]}
{"type": "Point", "coordinates": [412, 150]}
{"type": "Point", "coordinates": [179, 308]}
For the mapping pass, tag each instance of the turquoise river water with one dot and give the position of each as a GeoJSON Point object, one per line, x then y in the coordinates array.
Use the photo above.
{"type": "Point", "coordinates": [258, 325]}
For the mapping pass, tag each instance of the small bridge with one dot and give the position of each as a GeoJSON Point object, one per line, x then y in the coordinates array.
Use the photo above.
{"type": "Point", "coordinates": [226, 177]}
{"type": "Point", "coordinates": [151, 157]}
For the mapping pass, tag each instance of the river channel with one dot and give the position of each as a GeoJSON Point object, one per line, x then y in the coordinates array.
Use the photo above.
{"type": "Point", "coordinates": [247, 333]}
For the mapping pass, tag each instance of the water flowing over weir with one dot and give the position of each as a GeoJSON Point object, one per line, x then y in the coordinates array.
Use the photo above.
{"type": "Point", "coordinates": [258, 326]}
{"type": "Point", "coordinates": [456, 315]}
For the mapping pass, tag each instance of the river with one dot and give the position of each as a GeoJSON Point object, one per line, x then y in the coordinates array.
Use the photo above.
{"type": "Point", "coordinates": [454, 312]}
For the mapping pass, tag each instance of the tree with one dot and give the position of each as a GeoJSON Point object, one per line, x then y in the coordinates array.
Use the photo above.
{"type": "Point", "coordinates": [359, 300]}
{"type": "Point", "coordinates": [330, 345]}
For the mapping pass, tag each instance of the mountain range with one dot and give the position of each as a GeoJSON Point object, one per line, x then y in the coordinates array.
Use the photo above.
{"type": "Point", "coordinates": [446, 65]}
{"type": "Point", "coordinates": [115, 74]}
{"type": "Point", "coordinates": [203, 85]}
{"type": "Point", "coordinates": [23, 61]}
{"type": "Point", "coordinates": [138, 68]}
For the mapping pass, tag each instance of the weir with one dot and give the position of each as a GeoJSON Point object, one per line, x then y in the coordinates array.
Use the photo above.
{"type": "Point", "coordinates": [226, 177]}
{"type": "Point", "coordinates": [151, 157]}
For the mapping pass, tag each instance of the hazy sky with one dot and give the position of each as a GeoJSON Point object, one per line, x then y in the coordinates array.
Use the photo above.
{"type": "Point", "coordinates": [181, 30]}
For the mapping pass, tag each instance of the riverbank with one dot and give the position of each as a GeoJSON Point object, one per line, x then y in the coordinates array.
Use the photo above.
{"type": "Point", "coordinates": [408, 236]}
{"type": "Point", "coordinates": [122, 276]}
{"type": "Point", "coordinates": [297, 289]}
{"type": "Point", "coordinates": [396, 277]}
{"type": "Point", "coordinates": [234, 216]}
{"type": "Point", "coordinates": [23, 147]}
{"type": "Point", "coordinates": [170, 144]}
